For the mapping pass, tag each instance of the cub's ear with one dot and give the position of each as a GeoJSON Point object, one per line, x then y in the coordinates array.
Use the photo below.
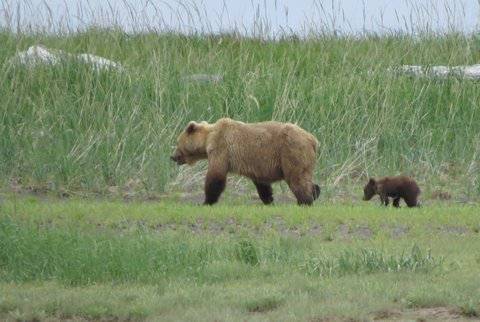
{"type": "Point", "coordinates": [192, 126]}
{"type": "Point", "coordinates": [372, 181]}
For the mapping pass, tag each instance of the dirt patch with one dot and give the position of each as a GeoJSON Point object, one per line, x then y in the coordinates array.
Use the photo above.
{"type": "Point", "coordinates": [188, 186]}
{"type": "Point", "coordinates": [312, 228]}
{"type": "Point", "coordinates": [409, 315]}
{"type": "Point", "coordinates": [422, 314]}
{"type": "Point", "coordinates": [361, 232]}
{"type": "Point", "coordinates": [453, 229]}
{"type": "Point", "coordinates": [399, 231]}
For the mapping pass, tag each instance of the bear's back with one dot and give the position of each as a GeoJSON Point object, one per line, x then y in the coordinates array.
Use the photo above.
{"type": "Point", "coordinates": [400, 185]}
{"type": "Point", "coordinates": [255, 149]}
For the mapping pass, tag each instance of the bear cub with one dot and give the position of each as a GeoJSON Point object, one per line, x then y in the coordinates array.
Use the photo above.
{"type": "Point", "coordinates": [395, 187]}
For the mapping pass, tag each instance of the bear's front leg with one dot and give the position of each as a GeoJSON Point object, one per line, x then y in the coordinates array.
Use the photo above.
{"type": "Point", "coordinates": [264, 192]}
{"type": "Point", "coordinates": [215, 182]}
{"type": "Point", "coordinates": [384, 200]}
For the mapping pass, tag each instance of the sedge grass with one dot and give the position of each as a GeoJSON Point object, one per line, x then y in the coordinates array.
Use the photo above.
{"type": "Point", "coordinates": [70, 128]}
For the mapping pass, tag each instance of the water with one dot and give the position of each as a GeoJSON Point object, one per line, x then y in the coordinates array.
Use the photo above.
{"type": "Point", "coordinates": [249, 18]}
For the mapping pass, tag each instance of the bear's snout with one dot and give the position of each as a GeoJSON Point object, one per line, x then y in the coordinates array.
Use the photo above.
{"type": "Point", "coordinates": [178, 159]}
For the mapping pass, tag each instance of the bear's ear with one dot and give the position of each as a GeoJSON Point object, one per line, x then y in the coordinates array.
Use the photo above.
{"type": "Point", "coordinates": [372, 181]}
{"type": "Point", "coordinates": [192, 126]}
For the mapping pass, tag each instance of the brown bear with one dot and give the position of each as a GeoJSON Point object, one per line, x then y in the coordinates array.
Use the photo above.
{"type": "Point", "coordinates": [264, 152]}
{"type": "Point", "coordinates": [395, 187]}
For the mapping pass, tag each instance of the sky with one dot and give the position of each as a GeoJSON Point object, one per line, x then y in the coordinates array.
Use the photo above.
{"type": "Point", "coordinates": [247, 17]}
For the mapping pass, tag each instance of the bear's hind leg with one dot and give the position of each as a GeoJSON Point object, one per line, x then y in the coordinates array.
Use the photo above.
{"type": "Point", "coordinates": [264, 192]}
{"type": "Point", "coordinates": [303, 193]}
{"type": "Point", "coordinates": [300, 180]}
{"type": "Point", "coordinates": [411, 202]}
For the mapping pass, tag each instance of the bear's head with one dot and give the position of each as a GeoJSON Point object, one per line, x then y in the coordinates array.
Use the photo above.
{"type": "Point", "coordinates": [370, 189]}
{"type": "Point", "coordinates": [192, 144]}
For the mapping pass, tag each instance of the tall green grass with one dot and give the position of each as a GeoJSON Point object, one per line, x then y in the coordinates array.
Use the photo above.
{"type": "Point", "coordinates": [71, 128]}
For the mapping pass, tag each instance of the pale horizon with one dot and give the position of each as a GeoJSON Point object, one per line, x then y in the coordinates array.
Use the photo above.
{"type": "Point", "coordinates": [265, 18]}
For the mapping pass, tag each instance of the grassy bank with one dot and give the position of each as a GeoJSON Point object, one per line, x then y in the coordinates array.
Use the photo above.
{"type": "Point", "coordinates": [71, 129]}
{"type": "Point", "coordinates": [110, 260]}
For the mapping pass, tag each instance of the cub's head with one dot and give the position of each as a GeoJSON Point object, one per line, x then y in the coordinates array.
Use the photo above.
{"type": "Point", "coordinates": [191, 144]}
{"type": "Point", "coordinates": [370, 189]}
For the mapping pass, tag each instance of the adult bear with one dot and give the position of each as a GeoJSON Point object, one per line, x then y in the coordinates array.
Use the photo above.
{"type": "Point", "coordinates": [264, 152]}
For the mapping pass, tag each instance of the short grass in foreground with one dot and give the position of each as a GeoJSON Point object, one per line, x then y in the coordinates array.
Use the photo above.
{"type": "Point", "coordinates": [108, 260]}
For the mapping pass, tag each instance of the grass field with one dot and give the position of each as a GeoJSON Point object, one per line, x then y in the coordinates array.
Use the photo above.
{"type": "Point", "coordinates": [97, 260]}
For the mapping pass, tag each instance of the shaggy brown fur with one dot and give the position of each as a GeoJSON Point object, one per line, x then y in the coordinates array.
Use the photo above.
{"type": "Point", "coordinates": [395, 187]}
{"type": "Point", "coordinates": [264, 152]}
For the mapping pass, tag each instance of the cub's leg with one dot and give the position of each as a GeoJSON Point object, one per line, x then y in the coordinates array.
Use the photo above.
{"type": "Point", "coordinates": [384, 200]}
{"type": "Point", "coordinates": [396, 202]}
{"type": "Point", "coordinates": [411, 202]}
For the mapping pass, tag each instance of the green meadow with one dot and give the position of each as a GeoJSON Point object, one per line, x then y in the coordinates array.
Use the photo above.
{"type": "Point", "coordinates": [160, 261]}
{"type": "Point", "coordinates": [98, 224]}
